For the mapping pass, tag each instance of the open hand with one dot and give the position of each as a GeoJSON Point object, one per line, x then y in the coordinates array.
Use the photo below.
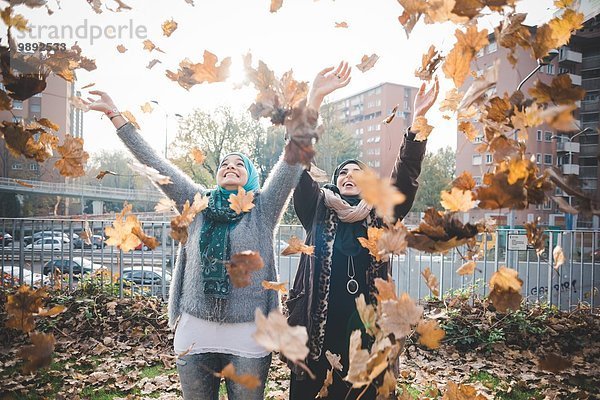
{"type": "Point", "coordinates": [328, 81]}
{"type": "Point", "coordinates": [103, 104]}
{"type": "Point", "coordinates": [424, 100]}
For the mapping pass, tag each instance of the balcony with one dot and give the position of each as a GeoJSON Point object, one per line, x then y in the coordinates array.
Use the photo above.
{"type": "Point", "coordinates": [590, 106]}
{"type": "Point", "coordinates": [590, 62]}
{"type": "Point", "coordinates": [570, 169]}
{"type": "Point", "coordinates": [567, 55]}
{"type": "Point", "coordinates": [589, 150]}
{"type": "Point", "coordinates": [575, 79]}
{"type": "Point", "coordinates": [589, 172]}
{"type": "Point", "coordinates": [567, 147]}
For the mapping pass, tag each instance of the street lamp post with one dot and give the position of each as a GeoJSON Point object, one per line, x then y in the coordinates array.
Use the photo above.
{"type": "Point", "coordinates": [166, 124]}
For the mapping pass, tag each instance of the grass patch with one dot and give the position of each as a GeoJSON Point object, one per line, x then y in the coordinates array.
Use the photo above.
{"type": "Point", "coordinates": [502, 389]}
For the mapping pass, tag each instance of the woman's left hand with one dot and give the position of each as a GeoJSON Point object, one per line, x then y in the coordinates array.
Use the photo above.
{"type": "Point", "coordinates": [424, 101]}
{"type": "Point", "coordinates": [326, 82]}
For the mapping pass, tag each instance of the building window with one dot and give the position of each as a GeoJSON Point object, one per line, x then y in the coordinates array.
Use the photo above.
{"type": "Point", "coordinates": [375, 163]}
{"type": "Point", "coordinates": [34, 167]}
{"type": "Point", "coordinates": [35, 108]}
{"type": "Point", "coordinates": [548, 69]}
{"type": "Point", "coordinates": [548, 136]}
{"type": "Point", "coordinates": [476, 159]}
{"type": "Point", "coordinates": [377, 139]}
{"type": "Point", "coordinates": [538, 158]}
{"type": "Point", "coordinates": [547, 204]}
{"type": "Point", "coordinates": [492, 47]}
{"type": "Point", "coordinates": [17, 119]}
{"type": "Point", "coordinates": [539, 135]}
{"type": "Point", "coordinates": [477, 180]}
{"type": "Point", "coordinates": [378, 127]}
{"type": "Point", "coordinates": [17, 105]}
{"type": "Point", "coordinates": [17, 166]}
{"type": "Point", "coordinates": [489, 159]}
{"type": "Point", "coordinates": [548, 159]}
{"type": "Point", "coordinates": [406, 108]}
{"type": "Point", "coordinates": [378, 90]}
{"type": "Point", "coordinates": [478, 139]}
{"type": "Point", "coordinates": [481, 52]}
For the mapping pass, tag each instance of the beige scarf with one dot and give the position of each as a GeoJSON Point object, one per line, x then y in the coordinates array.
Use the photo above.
{"type": "Point", "coordinates": [344, 211]}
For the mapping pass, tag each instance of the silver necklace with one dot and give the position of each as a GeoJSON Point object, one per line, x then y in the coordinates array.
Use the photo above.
{"type": "Point", "coordinates": [352, 285]}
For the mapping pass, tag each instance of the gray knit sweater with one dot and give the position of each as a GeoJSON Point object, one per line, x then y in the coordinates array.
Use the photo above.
{"type": "Point", "coordinates": [255, 231]}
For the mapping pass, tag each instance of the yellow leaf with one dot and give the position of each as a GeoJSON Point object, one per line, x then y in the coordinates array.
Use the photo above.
{"type": "Point", "coordinates": [457, 200]}
{"type": "Point", "coordinates": [379, 193]}
{"type": "Point", "coordinates": [169, 27]}
{"type": "Point", "coordinates": [131, 118]}
{"type": "Point", "coordinates": [248, 381]}
{"type": "Point", "coordinates": [367, 62]}
{"type": "Point", "coordinates": [147, 108]}
{"type": "Point", "coordinates": [467, 268]}
{"type": "Point", "coordinates": [370, 243]}
{"type": "Point", "coordinates": [421, 127]}
{"type": "Point", "coordinates": [198, 155]}
{"type": "Point", "coordinates": [296, 246]}
{"type": "Point", "coordinates": [431, 281]}
{"type": "Point", "coordinates": [242, 201]}
{"type": "Point", "coordinates": [277, 286]}
{"type": "Point", "coordinates": [430, 334]}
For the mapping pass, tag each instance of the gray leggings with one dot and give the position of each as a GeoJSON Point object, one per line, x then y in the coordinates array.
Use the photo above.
{"type": "Point", "coordinates": [196, 372]}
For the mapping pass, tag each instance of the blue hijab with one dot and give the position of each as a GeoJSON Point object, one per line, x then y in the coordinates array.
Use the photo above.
{"type": "Point", "coordinates": [253, 177]}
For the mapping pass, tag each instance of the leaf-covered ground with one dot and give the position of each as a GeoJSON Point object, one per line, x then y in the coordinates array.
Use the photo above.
{"type": "Point", "coordinates": [109, 348]}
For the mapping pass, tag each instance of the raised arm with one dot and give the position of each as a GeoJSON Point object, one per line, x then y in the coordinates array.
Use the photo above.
{"type": "Point", "coordinates": [305, 199]}
{"type": "Point", "coordinates": [410, 157]}
{"type": "Point", "coordinates": [182, 188]}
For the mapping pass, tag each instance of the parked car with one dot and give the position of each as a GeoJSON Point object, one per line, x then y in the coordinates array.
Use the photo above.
{"type": "Point", "coordinates": [96, 242]}
{"type": "Point", "coordinates": [141, 246]}
{"type": "Point", "coordinates": [79, 264]}
{"type": "Point", "coordinates": [147, 280]}
{"type": "Point", "coordinates": [11, 276]}
{"type": "Point", "coordinates": [48, 244]}
{"type": "Point", "coordinates": [5, 239]}
{"type": "Point", "coordinates": [45, 234]}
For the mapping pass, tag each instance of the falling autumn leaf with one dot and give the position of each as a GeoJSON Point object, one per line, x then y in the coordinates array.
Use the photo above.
{"type": "Point", "coordinates": [77, 103]}
{"type": "Point", "coordinates": [89, 85]}
{"type": "Point", "coordinates": [276, 286]}
{"type": "Point", "coordinates": [457, 200]}
{"type": "Point", "coordinates": [24, 184]}
{"type": "Point", "coordinates": [467, 268]}
{"type": "Point", "coordinates": [150, 46]}
{"type": "Point", "coordinates": [378, 192]}
{"type": "Point", "coordinates": [421, 128]}
{"type": "Point", "coordinates": [149, 173]}
{"type": "Point", "coordinates": [198, 155]}
{"type": "Point", "coordinates": [241, 265]}
{"type": "Point", "coordinates": [146, 108]}
{"type": "Point", "coordinates": [370, 243]}
{"type": "Point", "coordinates": [21, 307]}
{"type": "Point", "coordinates": [274, 334]}
{"type": "Point", "coordinates": [297, 246]}
{"type": "Point", "coordinates": [398, 316]}
{"type": "Point", "coordinates": [342, 24]}
{"type": "Point", "coordinates": [152, 63]}
{"type": "Point", "coordinates": [169, 27]}
{"type": "Point", "coordinates": [102, 174]}
{"type": "Point", "coordinates": [430, 334]}
{"type": "Point", "coordinates": [242, 201]}
{"type": "Point", "coordinates": [334, 360]}
{"type": "Point", "coordinates": [324, 391]}
{"type": "Point", "coordinates": [390, 117]}
{"type": "Point", "coordinates": [180, 223]}
{"type": "Point", "coordinates": [190, 74]}
{"type": "Point", "coordinates": [453, 98]}
{"type": "Point", "coordinates": [558, 256]}
{"type": "Point", "coordinates": [73, 157]}
{"type": "Point", "coordinates": [367, 314]}
{"type": "Point", "coordinates": [506, 289]}
{"type": "Point", "coordinates": [248, 381]}
{"type": "Point", "coordinates": [429, 64]}
{"type": "Point", "coordinates": [386, 290]}
{"type": "Point", "coordinates": [364, 366]}
{"type": "Point", "coordinates": [431, 281]}
{"type": "Point", "coordinates": [392, 240]}
{"type": "Point", "coordinates": [367, 62]}
{"type": "Point", "coordinates": [149, 241]}
{"type": "Point", "coordinates": [121, 49]}
{"type": "Point", "coordinates": [165, 205]}
{"type": "Point", "coordinates": [131, 118]}
{"type": "Point", "coordinates": [120, 234]}
{"type": "Point", "coordinates": [275, 5]}
{"type": "Point", "coordinates": [39, 354]}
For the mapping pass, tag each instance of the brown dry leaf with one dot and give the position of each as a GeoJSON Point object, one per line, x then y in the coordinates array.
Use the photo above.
{"type": "Point", "coordinates": [165, 205]}
{"type": "Point", "coordinates": [150, 241]}
{"type": "Point", "coordinates": [39, 354]}
{"type": "Point", "coordinates": [86, 233]}
{"type": "Point", "coordinates": [512, 33]}
{"type": "Point", "coordinates": [324, 391]}
{"type": "Point", "coordinates": [430, 334]}
{"type": "Point", "coordinates": [73, 157]}
{"type": "Point", "coordinates": [22, 305]}
{"type": "Point", "coordinates": [469, 130]}
{"type": "Point", "coordinates": [390, 117]}
{"type": "Point", "coordinates": [562, 26]}
{"type": "Point", "coordinates": [153, 63]}
{"type": "Point", "coordinates": [169, 27]}
{"type": "Point", "coordinates": [248, 381]}
{"type": "Point", "coordinates": [554, 363]}
{"type": "Point", "coordinates": [334, 360]}
{"type": "Point", "coordinates": [422, 129]}
{"type": "Point", "coordinates": [5, 101]}
{"type": "Point", "coordinates": [365, 367]}
{"type": "Point", "coordinates": [241, 265]}
{"type": "Point", "coordinates": [517, 169]}
{"type": "Point", "coordinates": [378, 192]}
{"type": "Point", "coordinates": [102, 174]}
{"type": "Point", "coordinates": [536, 236]}
{"type": "Point", "coordinates": [530, 116]}
{"type": "Point", "coordinates": [150, 173]}
{"type": "Point", "coordinates": [274, 334]}
{"type": "Point", "coordinates": [506, 279]}
{"type": "Point", "coordinates": [131, 118]}
{"type": "Point", "coordinates": [457, 200]}
{"type": "Point", "coordinates": [120, 234]}
{"type": "Point", "coordinates": [370, 243]}
{"type": "Point", "coordinates": [560, 91]}
{"type": "Point", "coordinates": [367, 62]}
{"type": "Point", "coordinates": [342, 24]}
{"type": "Point", "coordinates": [25, 184]}
{"type": "Point", "coordinates": [17, 21]}
{"type": "Point", "coordinates": [121, 49]}
{"type": "Point", "coordinates": [180, 223]}
{"type": "Point", "coordinates": [198, 155]}
{"type": "Point", "coordinates": [392, 240]}
{"type": "Point", "coordinates": [453, 98]}
{"type": "Point", "coordinates": [89, 85]}
{"type": "Point", "coordinates": [388, 386]}
{"type": "Point", "coordinates": [275, 5]}
{"type": "Point", "coordinates": [429, 63]}
{"type": "Point", "coordinates": [242, 201]}
{"type": "Point", "coordinates": [441, 11]}
{"type": "Point", "coordinates": [301, 128]}
{"type": "Point", "coordinates": [431, 281]}
{"type": "Point", "coordinates": [277, 286]}
{"type": "Point", "coordinates": [461, 392]}
{"type": "Point", "coordinates": [398, 316]}
{"type": "Point", "coordinates": [297, 246]}
{"type": "Point", "coordinates": [367, 314]}
{"type": "Point", "coordinates": [478, 88]}
{"type": "Point", "coordinates": [506, 289]}
{"type": "Point", "coordinates": [558, 256]}
{"type": "Point", "coordinates": [464, 181]}
{"type": "Point", "coordinates": [457, 65]}
{"type": "Point", "coordinates": [467, 268]}
{"type": "Point", "coordinates": [190, 74]}
{"type": "Point", "coordinates": [52, 312]}
{"type": "Point", "coordinates": [150, 46]}
{"type": "Point", "coordinates": [386, 290]}
{"type": "Point", "coordinates": [146, 108]}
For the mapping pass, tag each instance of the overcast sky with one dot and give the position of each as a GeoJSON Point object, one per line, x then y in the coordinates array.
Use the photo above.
{"type": "Point", "coordinates": [300, 36]}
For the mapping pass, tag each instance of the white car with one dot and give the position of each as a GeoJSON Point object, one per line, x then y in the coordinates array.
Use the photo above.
{"type": "Point", "coordinates": [11, 276]}
{"type": "Point", "coordinates": [48, 244]}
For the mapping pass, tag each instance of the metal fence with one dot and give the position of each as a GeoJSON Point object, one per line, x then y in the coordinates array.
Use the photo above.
{"type": "Point", "coordinates": [148, 271]}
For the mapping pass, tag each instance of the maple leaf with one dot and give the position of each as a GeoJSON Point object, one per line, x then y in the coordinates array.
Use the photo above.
{"type": "Point", "coordinates": [506, 289]}
{"type": "Point", "coordinates": [536, 236]}
{"type": "Point", "coordinates": [453, 98]}
{"type": "Point", "coordinates": [456, 66]}
{"type": "Point", "coordinates": [441, 11]}
{"type": "Point", "coordinates": [467, 268]}
{"type": "Point", "coordinates": [560, 91]}
{"type": "Point", "coordinates": [461, 392]}
{"type": "Point", "coordinates": [430, 334]}
{"type": "Point", "coordinates": [342, 24]}
{"type": "Point", "coordinates": [102, 174]}
{"type": "Point", "coordinates": [377, 192]}
{"type": "Point", "coordinates": [190, 74]}
{"type": "Point", "coordinates": [165, 205]}
{"type": "Point", "coordinates": [39, 354]}
{"type": "Point", "coordinates": [180, 223]}
{"type": "Point", "coordinates": [562, 26]}
{"type": "Point", "coordinates": [248, 381]}
{"type": "Point", "coordinates": [275, 5]}
{"type": "Point", "coordinates": [198, 155]}
{"type": "Point", "coordinates": [150, 173]}
{"type": "Point", "coordinates": [457, 200]}
{"type": "Point", "coordinates": [128, 115]}
{"type": "Point", "coordinates": [317, 174]}
{"type": "Point", "coordinates": [365, 367]}
{"type": "Point", "coordinates": [429, 63]}
{"type": "Point", "coordinates": [370, 243]}
{"type": "Point", "coordinates": [274, 334]}
{"type": "Point", "coordinates": [18, 21]}
{"type": "Point", "coordinates": [73, 157]}
{"type": "Point", "coordinates": [21, 141]}
{"type": "Point", "coordinates": [464, 181]}
{"type": "Point", "coordinates": [390, 117]}
{"type": "Point", "coordinates": [150, 46]}
{"type": "Point", "coordinates": [169, 27]}
{"type": "Point", "coordinates": [386, 290]}
{"type": "Point", "coordinates": [517, 169]}
{"type": "Point", "coordinates": [392, 240]}
{"type": "Point", "coordinates": [469, 130]}
{"type": "Point", "coordinates": [367, 62]}
{"type": "Point", "coordinates": [398, 316]}
{"type": "Point", "coordinates": [367, 315]}
{"type": "Point", "coordinates": [388, 385]}
{"type": "Point", "coordinates": [146, 108]}
{"type": "Point", "coordinates": [422, 129]}
{"type": "Point", "coordinates": [21, 307]}
{"type": "Point", "coordinates": [86, 234]}
{"type": "Point", "coordinates": [301, 128]}
{"type": "Point", "coordinates": [558, 256]}
{"type": "Point", "coordinates": [479, 87]}
{"type": "Point", "coordinates": [511, 33]}
{"type": "Point", "coordinates": [277, 286]}
{"type": "Point", "coordinates": [121, 49]}
{"type": "Point", "coordinates": [297, 246]}
{"type": "Point", "coordinates": [431, 281]}
{"type": "Point", "coordinates": [324, 391]}
{"type": "Point", "coordinates": [120, 234]}
{"type": "Point", "coordinates": [149, 241]}
{"type": "Point", "coordinates": [334, 360]}
{"type": "Point", "coordinates": [242, 201]}
{"type": "Point", "coordinates": [241, 265]}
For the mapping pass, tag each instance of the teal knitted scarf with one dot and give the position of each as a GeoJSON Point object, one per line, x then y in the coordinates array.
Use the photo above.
{"type": "Point", "coordinates": [215, 247]}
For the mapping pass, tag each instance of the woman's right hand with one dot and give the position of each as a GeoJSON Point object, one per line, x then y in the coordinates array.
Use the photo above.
{"type": "Point", "coordinates": [104, 104]}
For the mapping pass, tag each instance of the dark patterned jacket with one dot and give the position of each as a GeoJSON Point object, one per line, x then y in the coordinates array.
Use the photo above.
{"type": "Point", "coordinates": [307, 303]}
